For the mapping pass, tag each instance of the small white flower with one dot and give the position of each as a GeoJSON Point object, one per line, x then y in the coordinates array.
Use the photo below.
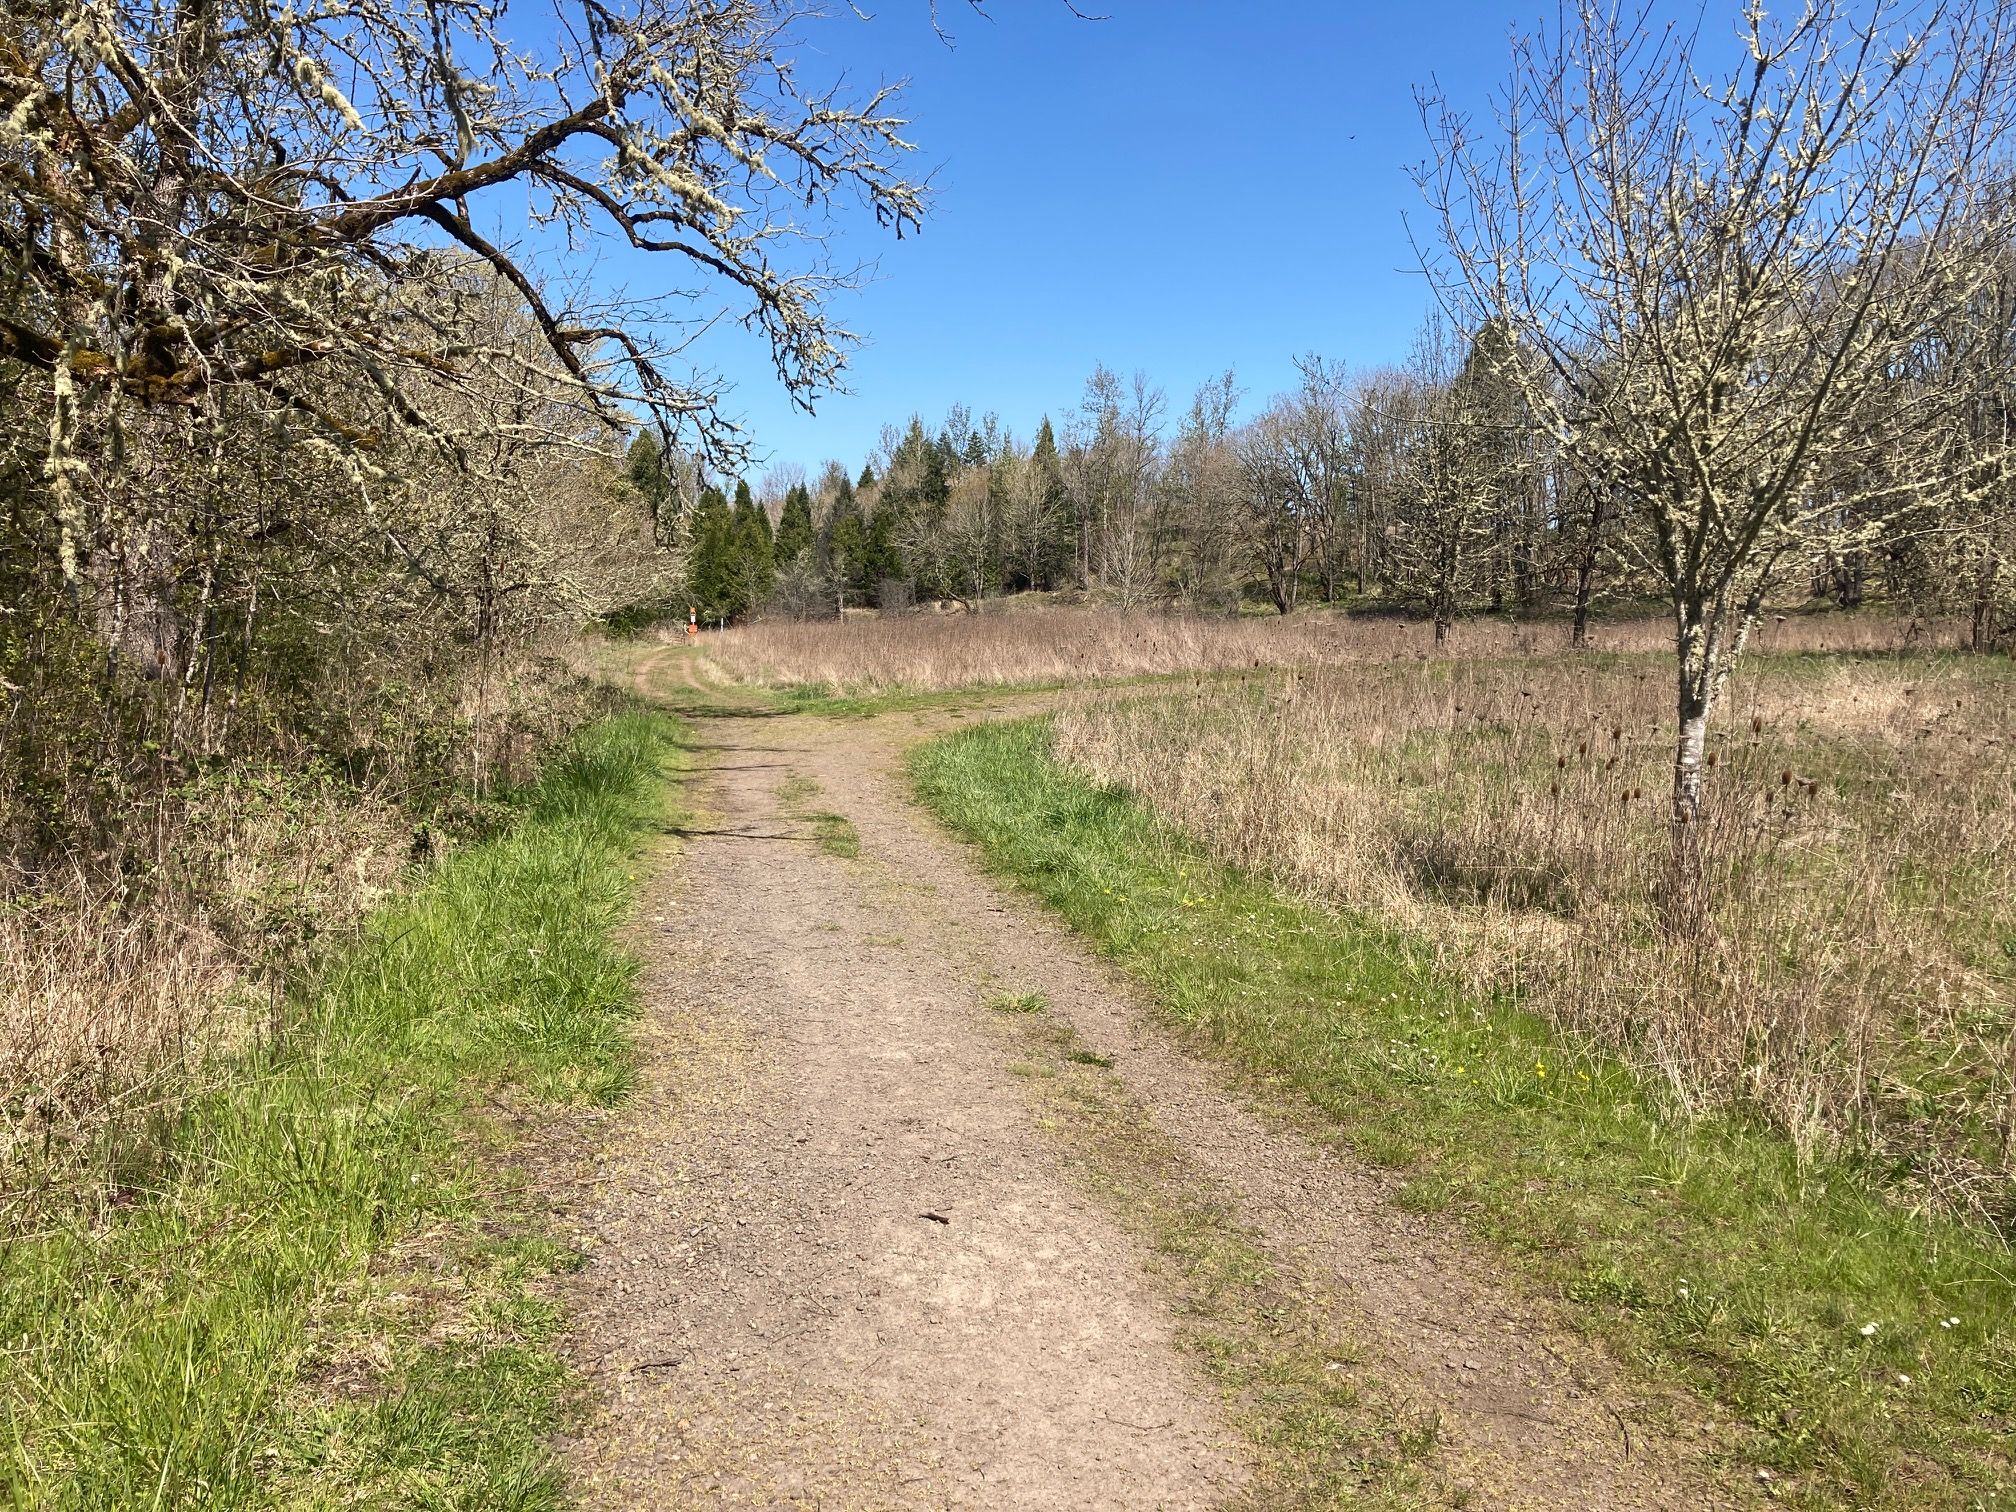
{"type": "Point", "coordinates": [1868, 1330]}
{"type": "Point", "coordinates": [1903, 1380]}
{"type": "Point", "coordinates": [1949, 1322]}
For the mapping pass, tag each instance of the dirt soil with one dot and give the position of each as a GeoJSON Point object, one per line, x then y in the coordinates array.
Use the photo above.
{"type": "Point", "coordinates": [838, 1260]}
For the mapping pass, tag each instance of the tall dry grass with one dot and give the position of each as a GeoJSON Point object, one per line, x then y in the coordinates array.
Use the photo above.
{"type": "Point", "coordinates": [117, 999]}
{"type": "Point", "coordinates": [926, 652]}
{"type": "Point", "coordinates": [95, 1009]}
{"type": "Point", "coordinates": [129, 976]}
{"type": "Point", "coordinates": [1856, 974]}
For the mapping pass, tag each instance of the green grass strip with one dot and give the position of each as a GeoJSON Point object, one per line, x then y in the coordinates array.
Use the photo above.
{"type": "Point", "coordinates": [326, 1295]}
{"type": "Point", "coordinates": [1704, 1252]}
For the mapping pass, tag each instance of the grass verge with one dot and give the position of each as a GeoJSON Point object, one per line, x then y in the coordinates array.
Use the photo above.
{"type": "Point", "coordinates": [829, 702]}
{"type": "Point", "coordinates": [328, 1294]}
{"type": "Point", "coordinates": [1707, 1253]}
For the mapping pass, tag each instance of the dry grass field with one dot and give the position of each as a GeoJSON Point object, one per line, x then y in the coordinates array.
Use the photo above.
{"type": "Point", "coordinates": [1053, 647]}
{"type": "Point", "coordinates": [1855, 979]}
{"type": "Point", "coordinates": [111, 1007]}
{"type": "Point", "coordinates": [1759, 1142]}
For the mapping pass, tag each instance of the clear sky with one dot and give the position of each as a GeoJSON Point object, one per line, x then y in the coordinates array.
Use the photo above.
{"type": "Point", "coordinates": [1185, 186]}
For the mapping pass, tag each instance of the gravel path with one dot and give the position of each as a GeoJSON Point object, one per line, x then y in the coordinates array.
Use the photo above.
{"type": "Point", "coordinates": [836, 1262]}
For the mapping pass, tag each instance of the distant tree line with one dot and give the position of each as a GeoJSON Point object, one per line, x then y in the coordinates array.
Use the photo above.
{"type": "Point", "coordinates": [1429, 486]}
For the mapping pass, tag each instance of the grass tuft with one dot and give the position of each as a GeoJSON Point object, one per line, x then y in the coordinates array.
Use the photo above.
{"type": "Point", "coordinates": [1019, 1002]}
{"type": "Point", "coordinates": [836, 835]}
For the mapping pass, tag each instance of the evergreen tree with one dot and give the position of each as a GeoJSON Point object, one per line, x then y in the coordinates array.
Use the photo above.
{"type": "Point", "coordinates": [755, 561]}
{"type": "Point", "coordinates": [919, 479]}
{"type": "Point", "coordinates": [881, 558]}
{"type": "Point", "coordinates": [844, 542]}
{"type": "Point", "coordinates": [1055, 506]}
{"type": "Point", "coordinates": [867, 475]}
{"type": "Point", "coordinates": [794, 526]}
{"type": "Point", "coordinates": [713, 568]}
{"type": "Point", "coordinates": [646, 471]}
{"type": "Point", "coordinates": [945, 454]}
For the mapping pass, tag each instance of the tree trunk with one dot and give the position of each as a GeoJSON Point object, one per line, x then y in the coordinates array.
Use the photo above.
{"type": "Point", "coordinates": [1699, 646]}
{"type": "Point", "coordinates": [1442, 597]}
{"type": "Point", "coordinates": [1585, 571]}
{"type": "Point", "coordinates": [1281, 588]}
{"type": "Point", "coordinates": [1688, 756]}
{"type": "Point", "coordinates": [1525, 557]}
{"type": "Point", "coordinates": [1983, 633]}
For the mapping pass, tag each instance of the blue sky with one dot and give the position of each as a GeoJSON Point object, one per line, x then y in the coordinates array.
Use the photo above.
{"type": "Point", "coordinates": [1185, 186]}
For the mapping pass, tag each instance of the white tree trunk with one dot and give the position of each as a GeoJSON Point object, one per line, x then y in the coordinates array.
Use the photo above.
{"type": "Point", "coordinates": [1688, 756]}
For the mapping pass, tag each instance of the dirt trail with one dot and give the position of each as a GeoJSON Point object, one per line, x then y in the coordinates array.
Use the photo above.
{"type": "Point", "coordinates": [839, 1262]}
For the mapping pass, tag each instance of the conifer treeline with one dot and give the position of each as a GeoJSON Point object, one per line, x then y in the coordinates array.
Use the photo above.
{"type": "Point", "coordinates": [1428, 485]}
{"type": "Point", "coordinates": [958, 515]}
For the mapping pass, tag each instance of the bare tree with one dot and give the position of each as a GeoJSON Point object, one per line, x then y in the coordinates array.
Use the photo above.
{"type": "Point", "coordinates": [1274, 503]}
{"type": "Point", "coordinates": [1033, 511]}
{"type": "Point", "coordinates": [778, 481]}
{"type": "Point", "coordinates": [1456, 466]}
{"type": "Point", "coordinates": [201, 199]}
{"type": "Point", "coordinates": [1966, 549]}
{"type": "Point", "coordinates": [1203, 483]}
{"type": "Point", "coordinates": [1296, 469]}
{"type": "Point", "coordinates": [1110, 471]}
{"type": "Point", "coordinates": [1380, 410]}
{"type": "Point", "coordinates": [952, 547]}
{"type": "Point", "coordinates": [1319, 435]}
{"type": "Point", "coordinates": [971, 534]}
{"type": "Point", "coordinates": [1586, 511]}
{"type": "Point", "coordinates": [1712, 255]}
